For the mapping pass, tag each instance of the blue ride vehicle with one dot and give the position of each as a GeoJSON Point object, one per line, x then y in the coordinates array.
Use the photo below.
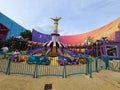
{"type": "Point", "coordinates": [44, 61]}
{"type": "Point", "coordinates": [38, 60]}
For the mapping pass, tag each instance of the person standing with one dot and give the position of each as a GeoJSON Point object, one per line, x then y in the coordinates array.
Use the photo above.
{"type": "Point", "coordinates": [5, 50]}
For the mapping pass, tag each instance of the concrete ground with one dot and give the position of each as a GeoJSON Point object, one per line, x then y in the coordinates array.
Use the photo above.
{"type": "Point", "coordinates": [104, 80]}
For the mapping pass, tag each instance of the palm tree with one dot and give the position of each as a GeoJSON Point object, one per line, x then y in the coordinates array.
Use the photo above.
{"type": "Point", "coordinates": [90, 39]}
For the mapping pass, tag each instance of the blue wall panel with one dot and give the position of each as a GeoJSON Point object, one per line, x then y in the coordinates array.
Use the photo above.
{"type": "Point", "coordinates": [14, 28]}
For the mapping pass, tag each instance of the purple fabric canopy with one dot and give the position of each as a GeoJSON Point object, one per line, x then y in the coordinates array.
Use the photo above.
{"type": "Point", "coordinates": [40, 37]}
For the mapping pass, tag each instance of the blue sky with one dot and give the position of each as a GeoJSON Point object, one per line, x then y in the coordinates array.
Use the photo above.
{"type": "Point", "coordinates": [78, 16]}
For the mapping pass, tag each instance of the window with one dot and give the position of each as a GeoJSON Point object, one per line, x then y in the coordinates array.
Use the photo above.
{"type": "Point", "coordinates": [111, 50]}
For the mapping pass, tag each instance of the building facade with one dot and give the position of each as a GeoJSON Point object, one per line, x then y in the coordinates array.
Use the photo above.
{"type": "Point", "coordinates": [9, 27]}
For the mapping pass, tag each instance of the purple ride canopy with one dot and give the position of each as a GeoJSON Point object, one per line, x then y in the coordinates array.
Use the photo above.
{"type": "Point", "coordinates": [40, 37]}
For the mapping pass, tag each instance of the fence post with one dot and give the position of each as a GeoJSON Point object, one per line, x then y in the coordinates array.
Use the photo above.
{"type": "Point", "coordinates": [96, 64]}
{"type": "Point", "coordinates": [87, 66]}
{"type": "Point", "coordinates": [90, 69]}
{"type": "Point", "coordinates": [64, 70]}
{"type": "Point", "coordinates": [106, 62]}
{"type": "Point", "coordinates": [119, 66]}
{"type": "Point", "coordinates": [35, 71]}
{"type": "Point", "coordinates": [8, 67]}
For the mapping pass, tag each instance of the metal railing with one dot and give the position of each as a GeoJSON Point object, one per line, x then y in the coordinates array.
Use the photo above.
{"type": "Point", "coordinates": [8, 67]}
{"type": "Point", "coordinates": [54, 69]}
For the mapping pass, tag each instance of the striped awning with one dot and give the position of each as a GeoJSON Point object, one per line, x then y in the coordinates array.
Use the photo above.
{"type": "Point", "coordinates": [53, 44]}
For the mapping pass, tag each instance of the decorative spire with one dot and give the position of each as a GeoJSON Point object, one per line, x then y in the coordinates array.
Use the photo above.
{"type": "Point", "coordinates": [56, 19]}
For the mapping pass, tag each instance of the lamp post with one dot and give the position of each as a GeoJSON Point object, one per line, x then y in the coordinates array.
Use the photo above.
{"type": "Point", "coordinates": [86, 46]}
{"type": "Point", "coordinates": [97, 47]}
{"type": "Point", "coordinates": [104, 39]}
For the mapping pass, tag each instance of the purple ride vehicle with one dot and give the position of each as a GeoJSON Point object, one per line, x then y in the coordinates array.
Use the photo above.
{"type": "Point", "coordinates": [66, 60]}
